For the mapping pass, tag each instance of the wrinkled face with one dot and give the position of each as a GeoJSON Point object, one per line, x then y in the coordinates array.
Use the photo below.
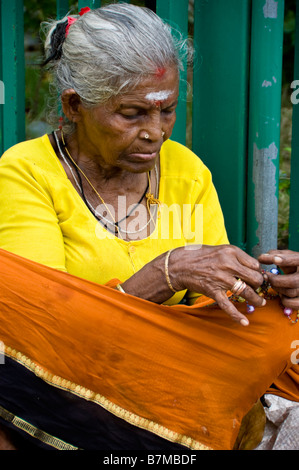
{"type": "Point", "coordinates": [115, 132]}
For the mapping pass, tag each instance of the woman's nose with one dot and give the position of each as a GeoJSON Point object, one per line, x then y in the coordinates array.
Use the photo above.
{"type": "Point", "coordinates": [154, 127]}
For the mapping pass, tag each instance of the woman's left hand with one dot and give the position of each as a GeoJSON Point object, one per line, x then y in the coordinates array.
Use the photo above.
{"type": "Point", "coordinates": [287, 285]}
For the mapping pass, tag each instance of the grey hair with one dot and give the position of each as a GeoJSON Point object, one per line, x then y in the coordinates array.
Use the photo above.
{"type": "Point", "coordinates": [109, 50]}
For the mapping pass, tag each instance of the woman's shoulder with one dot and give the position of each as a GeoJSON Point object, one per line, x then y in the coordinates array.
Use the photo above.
{"type": "Point", "coordinates": [178, 160]}
{"type": "Point", "coordinates": [36, 152]}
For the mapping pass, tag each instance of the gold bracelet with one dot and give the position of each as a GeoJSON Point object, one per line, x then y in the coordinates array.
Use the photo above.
{"type": "Point", "coordinates": [119, 287]}
{"type": "Point", "coordinates": [166, 272]}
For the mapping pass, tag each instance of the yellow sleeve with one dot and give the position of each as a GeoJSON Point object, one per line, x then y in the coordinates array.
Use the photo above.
{"type": "Point", "coordinates": [29, 225]}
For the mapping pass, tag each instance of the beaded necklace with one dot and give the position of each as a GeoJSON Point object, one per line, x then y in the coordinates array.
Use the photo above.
{"type": "Point", "coordinates": [266, 291]}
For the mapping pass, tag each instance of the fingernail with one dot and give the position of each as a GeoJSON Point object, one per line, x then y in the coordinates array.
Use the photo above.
{"type": "Point", "coordinates": [244, 322]}
{"type": "Point", "coordinates": [278, 260]}
{"type": "Point", "coordinates": [264, 302]}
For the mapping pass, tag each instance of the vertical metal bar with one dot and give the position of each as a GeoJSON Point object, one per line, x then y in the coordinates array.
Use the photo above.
{"type": "Point", "coordinates": [220, 102]}
{"type": "Point", "coordinates": [294, 193]}
{"type": "Point", "coordinates": [89, 3]}
{"type": "Point", "coordinates": [13, 72]}
{"type": "Point", "coordinates": [62, 8]}
{"type": "Point", "coordinates": [264, 125]}
{"type": "Point", "coordinates": [176, 14]}
{"type": "Point", "coordinates": [20, 71]}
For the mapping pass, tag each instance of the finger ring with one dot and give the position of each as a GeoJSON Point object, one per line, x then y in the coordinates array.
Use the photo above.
{"type": "Point", "coordinates": [238, 287]}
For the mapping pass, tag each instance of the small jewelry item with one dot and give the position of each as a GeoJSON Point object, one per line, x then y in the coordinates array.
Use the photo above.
{"type": "Point", "coordinates": [274, 271]}
{"type": "Point", "coordinates": [238, 287]}
{"type": "Point", "coordinates": [250, 308]}
{"type": "Point", "coordinates": [265, 291]}
{"type": "Point", "coordinates": [60, 122]}
{"type": "Point", "coordinates": [146, 135]}
{"type": "Point", "coordinates": [167, 273]}
{"type": "Point", "coordinates": [288, 313]}
{"type": "Point", "coordinates": [150, 200]}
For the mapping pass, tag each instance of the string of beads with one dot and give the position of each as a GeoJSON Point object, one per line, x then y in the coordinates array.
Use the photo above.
{"type": "Point", "coordinates": [266, 291]}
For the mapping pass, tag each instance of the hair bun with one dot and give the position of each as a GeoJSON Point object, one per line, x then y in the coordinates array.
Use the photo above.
{"type": "Point", "coordinates": [57, 40]}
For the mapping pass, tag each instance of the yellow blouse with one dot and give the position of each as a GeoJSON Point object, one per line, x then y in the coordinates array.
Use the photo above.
{"type": "Point", "coordinates": [43, 218]}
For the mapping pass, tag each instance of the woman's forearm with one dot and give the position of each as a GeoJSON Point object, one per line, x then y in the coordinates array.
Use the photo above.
{"type": "Point", "coordinates": [208, 270]}
{"type": "Point", "coordinates": [155, 281]}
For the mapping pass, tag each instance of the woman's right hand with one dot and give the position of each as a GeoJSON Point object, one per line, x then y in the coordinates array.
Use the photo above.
{"type": "Point", "coordinates": [213, 270]}
{"type": "Point", "coordinates": [207, 270]}
{"type": "Point", "coordinates": [286, 285]}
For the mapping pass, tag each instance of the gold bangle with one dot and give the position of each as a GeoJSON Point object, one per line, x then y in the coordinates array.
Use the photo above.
{"type": "Point", "coordinates": [166, 272]}
{"type": "Point", "coordinates": [119, 287]}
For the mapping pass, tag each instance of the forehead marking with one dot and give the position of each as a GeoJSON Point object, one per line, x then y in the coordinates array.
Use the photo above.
{"type": "Point", "coordinates": [160, 72]}
{"type": "Point", "coordinates": [158, 95]}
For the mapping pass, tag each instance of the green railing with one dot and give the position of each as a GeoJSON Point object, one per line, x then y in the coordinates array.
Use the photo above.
{"type": "Point", "coordinates": [236, 104]}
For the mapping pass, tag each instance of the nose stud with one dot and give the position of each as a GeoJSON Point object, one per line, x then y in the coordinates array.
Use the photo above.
{"type": "Point", "coordinates": [146, 135]}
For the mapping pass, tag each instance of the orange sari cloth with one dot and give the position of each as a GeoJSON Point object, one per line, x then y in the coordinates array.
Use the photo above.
{"type": "Point", "coordinates": [186, 374]}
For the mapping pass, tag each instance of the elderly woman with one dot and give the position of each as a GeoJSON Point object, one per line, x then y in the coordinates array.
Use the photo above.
{"type": "Point", "coordinates": [104, 197]}
{"type": "Point", "coordinates": [108, 198]}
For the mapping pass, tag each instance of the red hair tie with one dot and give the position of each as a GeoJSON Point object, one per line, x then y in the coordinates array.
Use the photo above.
{"type": "Point", "coordinates": [71, 20]}
{"type": "Point", "coordinates": [84, 10]}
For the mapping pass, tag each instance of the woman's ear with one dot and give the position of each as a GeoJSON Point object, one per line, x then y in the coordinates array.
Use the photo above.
{"type": "Point", "coordinates": [71, 105]}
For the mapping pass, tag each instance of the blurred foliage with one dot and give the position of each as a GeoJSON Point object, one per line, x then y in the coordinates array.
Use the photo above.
{"type": "Point", "coordinates": [36, 11]}
{"type": "Point", "coordinates": [289, 41]}
{"type": "Point", "coordinates": [284, 168]}
{"type": "Point", "coordinates": [286, 123]}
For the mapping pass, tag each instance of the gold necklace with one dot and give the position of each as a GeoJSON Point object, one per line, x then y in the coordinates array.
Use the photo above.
{"type": "Point", "coordinates": [150, 199]}
{"type": "Point", "coordinates": [90, 183]}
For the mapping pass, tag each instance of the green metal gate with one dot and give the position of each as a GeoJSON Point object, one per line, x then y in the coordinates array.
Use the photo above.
{"type": "Point", "coordinates": [236, 82]}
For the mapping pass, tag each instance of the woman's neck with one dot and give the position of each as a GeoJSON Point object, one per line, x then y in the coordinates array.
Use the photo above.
{"type": "Point", "coordinates": [109, 179]}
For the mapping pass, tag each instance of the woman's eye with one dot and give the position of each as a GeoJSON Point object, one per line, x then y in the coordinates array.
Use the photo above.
{"type": "Point", "coordinates": [136, 113]}
{"type": "Point", "coordinates": [130, 114]}
{"type": "Point", "coordinates": [168, 110]}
